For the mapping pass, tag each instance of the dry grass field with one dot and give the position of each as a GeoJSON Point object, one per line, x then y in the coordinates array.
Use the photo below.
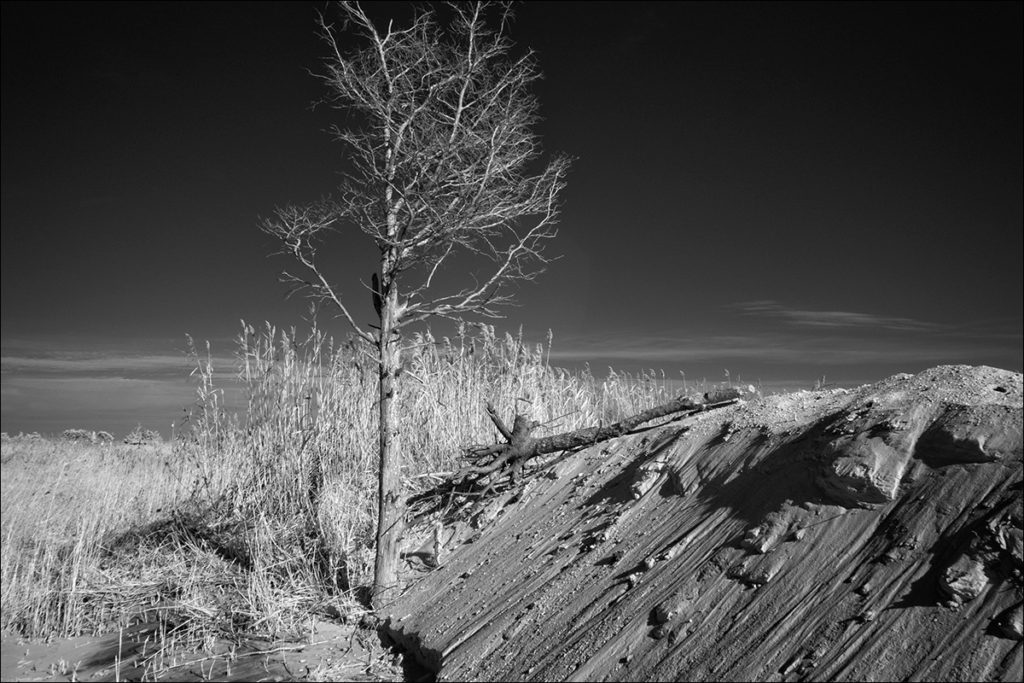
{"type": "Point", "coordinates": [256, 525]}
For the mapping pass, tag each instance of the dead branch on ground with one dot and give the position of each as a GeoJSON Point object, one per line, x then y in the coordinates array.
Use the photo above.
{"type": "Point", "coordinates": [491, 464]}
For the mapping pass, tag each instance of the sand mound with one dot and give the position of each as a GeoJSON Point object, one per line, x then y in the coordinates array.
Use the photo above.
{"type": "Point", "coordinates": [871, 534]}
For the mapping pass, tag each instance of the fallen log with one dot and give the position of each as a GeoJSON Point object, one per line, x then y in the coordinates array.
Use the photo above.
{"type": "Point", "coordinates": [520, 445]}
{"type": "Point", "coordinates": [491, 464]}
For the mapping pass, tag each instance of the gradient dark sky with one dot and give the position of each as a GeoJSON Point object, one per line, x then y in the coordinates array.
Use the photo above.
{"type": "Point", "coordinates": [785, 191]}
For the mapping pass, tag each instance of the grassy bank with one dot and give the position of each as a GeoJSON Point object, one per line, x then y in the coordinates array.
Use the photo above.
{"type": "Point", "coordinates": [250, 524]}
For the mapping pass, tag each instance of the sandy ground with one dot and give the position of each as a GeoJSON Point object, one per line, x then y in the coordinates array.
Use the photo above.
{"type": "Point", "coordinates": [334, 652]}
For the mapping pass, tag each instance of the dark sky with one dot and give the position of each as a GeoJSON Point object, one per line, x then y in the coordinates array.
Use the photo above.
{"type": "Point", "coordinates": [783, 191]}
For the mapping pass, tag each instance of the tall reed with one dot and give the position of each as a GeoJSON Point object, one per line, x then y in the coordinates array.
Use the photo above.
{"type": "Point", "coordinates": [256, 520]}
{"type": "Point", "coordinates": [298, 472]}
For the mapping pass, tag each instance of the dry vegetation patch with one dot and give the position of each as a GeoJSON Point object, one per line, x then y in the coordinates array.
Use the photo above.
{"type": "Point", "coordinates": [253, 528]}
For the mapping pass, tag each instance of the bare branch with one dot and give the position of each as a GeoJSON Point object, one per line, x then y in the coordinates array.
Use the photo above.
{"type": "Point", "coordinates": [298, 228]}
{"type": "Point", "coordinates": [441, 168]}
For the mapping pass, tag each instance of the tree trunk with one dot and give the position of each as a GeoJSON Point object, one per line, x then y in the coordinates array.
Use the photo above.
{"type": "Point", "coordinates": [390, 501]}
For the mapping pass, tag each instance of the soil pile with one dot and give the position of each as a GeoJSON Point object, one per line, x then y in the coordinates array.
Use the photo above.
{"type": "Point", "coordinates": [869, 534]}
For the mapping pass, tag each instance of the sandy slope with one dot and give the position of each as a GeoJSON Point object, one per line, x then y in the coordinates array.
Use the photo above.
{"type": "Point", "coordinates": [872, 534]}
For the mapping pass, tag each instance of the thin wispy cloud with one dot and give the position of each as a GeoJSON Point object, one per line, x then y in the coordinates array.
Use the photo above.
{"type": "Point", "coordinates": [806, 338]}
{"type": "Point", "coordinates": [115, 364]}
{"type": "Point", "coordinates": [652, 348]}
{"type": "Point", "coordinates": [93, 364]}
{"type": "Point", "coordinates": [95, 393]}
{"type": "Point", "coordinates": [834, 319]}
{"type": "Point", "coordinates": [756, 349]}
{"type": "Point", "coordinates": [53, 384]}
{"type": "Point", "coordinates": [115, 404]}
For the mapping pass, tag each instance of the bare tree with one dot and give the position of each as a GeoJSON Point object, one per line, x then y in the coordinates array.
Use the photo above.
{"type": "Point", "coordinates": [445, 166]}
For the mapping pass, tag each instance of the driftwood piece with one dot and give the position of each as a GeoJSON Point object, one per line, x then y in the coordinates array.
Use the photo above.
{"type": "Point", "coordinates": [521, 446]}
{"type": "Point", "coordinates": [496, 419]}
{"type": "Point", "coordinates": [489, 464]}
